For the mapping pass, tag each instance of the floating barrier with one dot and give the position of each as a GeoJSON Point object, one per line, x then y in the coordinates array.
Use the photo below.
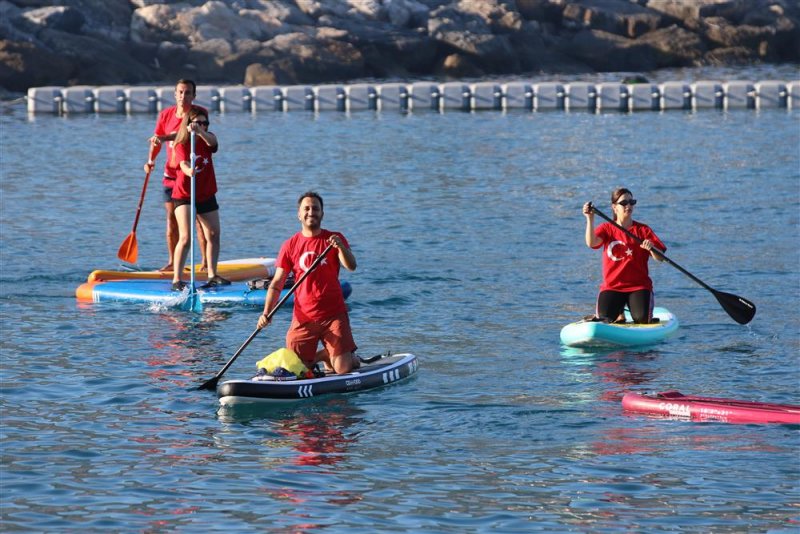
{"type": "Point", "coordinates": [428, 96]}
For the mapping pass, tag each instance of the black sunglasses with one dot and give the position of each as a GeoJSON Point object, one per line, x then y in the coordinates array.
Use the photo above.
{"type": "Point", "coordinates": [624, 203]}
{"type": "Point", "coordinates": [203, 123]}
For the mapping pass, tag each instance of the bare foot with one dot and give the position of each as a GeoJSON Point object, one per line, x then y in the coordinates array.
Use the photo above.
{"type": "Point", "coordinates": [166, 268]}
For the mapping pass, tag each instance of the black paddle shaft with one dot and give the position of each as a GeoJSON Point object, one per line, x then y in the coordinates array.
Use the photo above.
{"type": "Point", "coordinates": [212, 384]}
{"type": "Point", "coordinates": [739, 308]}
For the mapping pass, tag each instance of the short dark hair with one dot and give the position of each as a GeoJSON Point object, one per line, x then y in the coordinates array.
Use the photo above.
{"type": "Point", "coordinates": [186, 81]}
{"type": "Point", "coordinates": [311, 194]}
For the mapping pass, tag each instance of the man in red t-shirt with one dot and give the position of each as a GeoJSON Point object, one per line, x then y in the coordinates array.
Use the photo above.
{"type": "Point", "coordinates": [167, 124]}
{"type": "Point", "coordinates": [320, 313]}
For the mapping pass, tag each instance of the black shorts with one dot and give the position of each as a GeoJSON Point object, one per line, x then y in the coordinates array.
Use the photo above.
{"type": "Point", "coordinates": [205, 206]}
{"type": "Point", "coordinates": [167, 196]}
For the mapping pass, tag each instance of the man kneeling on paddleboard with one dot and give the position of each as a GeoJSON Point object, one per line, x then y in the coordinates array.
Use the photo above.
{"type": "Point", "coordinates": [320, 313]}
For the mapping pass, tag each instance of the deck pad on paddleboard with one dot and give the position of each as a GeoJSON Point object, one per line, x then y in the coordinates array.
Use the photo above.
{"type": "Point", "coordinates": [675, 405]}
{"type": "Point", "coordinates": [240, 270]}
{"type": "Point", "coordinates": [160, 292]}
{"type": "Point", "coordinates": [387, 370]}
{"type": "Point", "coordinates": [591, 334]}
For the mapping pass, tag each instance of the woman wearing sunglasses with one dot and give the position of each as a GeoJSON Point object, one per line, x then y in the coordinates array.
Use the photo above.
{"type": "Point", "coordinates": [625, 276]}
{"type": "Point", "coordinates": [196, 120]}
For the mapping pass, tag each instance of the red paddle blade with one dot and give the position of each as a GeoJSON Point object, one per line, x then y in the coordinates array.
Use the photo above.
{"type": "Point", "coordinates": [129, 249]}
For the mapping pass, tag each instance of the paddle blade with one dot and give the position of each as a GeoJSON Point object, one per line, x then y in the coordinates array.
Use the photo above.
{"type": "Point", "coordinates": [210, 385]}
{"type": "Point", "coordinates": [129, 249]}
{"type": "Point", "coordinates": [192, 302]}
{"type": "Point", "coordinates": [197, 306]}
{"type": "Point", "coordinates": [740, 309]}
{"type": "Point", "coordinates": [194, 299]}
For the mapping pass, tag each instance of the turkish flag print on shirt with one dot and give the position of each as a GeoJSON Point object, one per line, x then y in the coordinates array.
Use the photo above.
{"type": "Point", "coordinates": [624, 260]}
{"type": "Point", "coordinates": [205, 180]}
{"type": "Point", "coordinates": [320, 295]}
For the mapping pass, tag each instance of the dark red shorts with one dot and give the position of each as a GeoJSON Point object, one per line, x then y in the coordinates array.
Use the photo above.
{"type": "Point", "coordinates": [334, 334]}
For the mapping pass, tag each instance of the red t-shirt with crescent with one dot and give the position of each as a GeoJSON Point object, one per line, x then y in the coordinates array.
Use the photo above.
{"type": "Point", "coordinates": [205, 181]}
{"type": "Point", "coordinates": [624, 260]}
{"type": "Point", "coordinates": [320, 295]}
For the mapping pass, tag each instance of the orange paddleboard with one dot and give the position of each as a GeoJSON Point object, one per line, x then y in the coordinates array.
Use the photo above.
{"type": "Point", "coordinates": [234, 270]}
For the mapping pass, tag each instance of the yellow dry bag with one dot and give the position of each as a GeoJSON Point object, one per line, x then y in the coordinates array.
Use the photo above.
{"type": "Point", "coordinates": [283, 359]}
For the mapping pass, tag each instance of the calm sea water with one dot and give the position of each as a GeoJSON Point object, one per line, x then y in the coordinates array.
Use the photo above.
{"type": "Point", "coordinates": [468, 233]}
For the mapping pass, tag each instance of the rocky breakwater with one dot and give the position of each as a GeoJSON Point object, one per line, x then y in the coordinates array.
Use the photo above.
{"type": "Point", "coordinates": [264, 42]}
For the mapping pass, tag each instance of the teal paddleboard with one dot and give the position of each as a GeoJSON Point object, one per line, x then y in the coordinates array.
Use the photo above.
{"type": "Point", "coordinates": [592, 334]}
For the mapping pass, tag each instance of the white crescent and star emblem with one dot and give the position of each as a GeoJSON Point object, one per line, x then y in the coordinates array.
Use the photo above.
{"type": "Point", "coordinates": [610, 250]}
{"type": "Point", "coordinates": [200, 164]}
{"type": "Point", "coordinates": [308, 258]}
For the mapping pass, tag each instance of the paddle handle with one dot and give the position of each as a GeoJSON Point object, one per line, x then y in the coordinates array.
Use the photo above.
{"type": "Point", "coordinates": [212, 384]}
{"type": "Point", "coordinates": [666, 259]}
{"type": "Point", "coordinates": [141, 200]}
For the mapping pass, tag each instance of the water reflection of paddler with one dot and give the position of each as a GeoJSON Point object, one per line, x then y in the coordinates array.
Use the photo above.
{"type": "Point", "coordinates": [318, 430]}
{"type": "Point", "coordinates": [180, 351]}
{"type": "Point", "coordinates": [618, 368]}
{"type": "Point", "coordinates": [319, 438]}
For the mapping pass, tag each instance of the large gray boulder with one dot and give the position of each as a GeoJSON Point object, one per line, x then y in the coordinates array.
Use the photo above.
{"type": "Point", "coordinates": [667, 47]}
{"type": "Point", "coordinates": [24, 65]}
{"type": "Point", "coordinates": [300, 58]}
{"type": "Point", "coordinates": [620, 17]}
{"type": "Point", "coordinates": [468, 33]}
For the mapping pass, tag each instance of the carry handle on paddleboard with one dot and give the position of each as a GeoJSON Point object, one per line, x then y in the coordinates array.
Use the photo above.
{"type": "Point", "coordinates": [739, 308]}
{"type": "Point", "coordinates": [212, 384]}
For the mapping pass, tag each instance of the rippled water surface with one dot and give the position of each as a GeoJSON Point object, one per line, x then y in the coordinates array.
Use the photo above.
{"type": "Point", "coordinates": [468, 233]}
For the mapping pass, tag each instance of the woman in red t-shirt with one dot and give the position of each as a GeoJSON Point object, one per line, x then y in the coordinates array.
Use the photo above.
{"type": "Point", "coordinates": [625, 276]}
{"type": "Point", "coordinates": [196, 120]}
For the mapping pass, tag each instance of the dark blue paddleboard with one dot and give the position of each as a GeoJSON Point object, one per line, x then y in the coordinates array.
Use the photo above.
{"type": "Point", "coordinates": [386, 370]}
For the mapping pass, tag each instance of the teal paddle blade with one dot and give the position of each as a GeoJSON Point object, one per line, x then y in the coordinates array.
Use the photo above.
{"type": "Point", "coordinates": [197, 306]}
{"type": "Point", "coordinates": [192, 302]}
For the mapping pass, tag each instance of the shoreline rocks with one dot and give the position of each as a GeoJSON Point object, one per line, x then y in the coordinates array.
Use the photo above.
{"type": "Point", "coordinates": [267, 42]}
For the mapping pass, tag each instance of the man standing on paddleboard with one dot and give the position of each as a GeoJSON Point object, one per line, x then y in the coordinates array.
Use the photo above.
{"type": "Point", "coordinates": [167, 125]}
{"type": "Point", "coordinates": [320, 313]}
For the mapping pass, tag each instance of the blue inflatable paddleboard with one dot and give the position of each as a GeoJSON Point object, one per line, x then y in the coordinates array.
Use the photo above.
{"type": "Point", "coordinates": [593, 334]}
{"type": "Point", "coordinates": [160, 292]}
